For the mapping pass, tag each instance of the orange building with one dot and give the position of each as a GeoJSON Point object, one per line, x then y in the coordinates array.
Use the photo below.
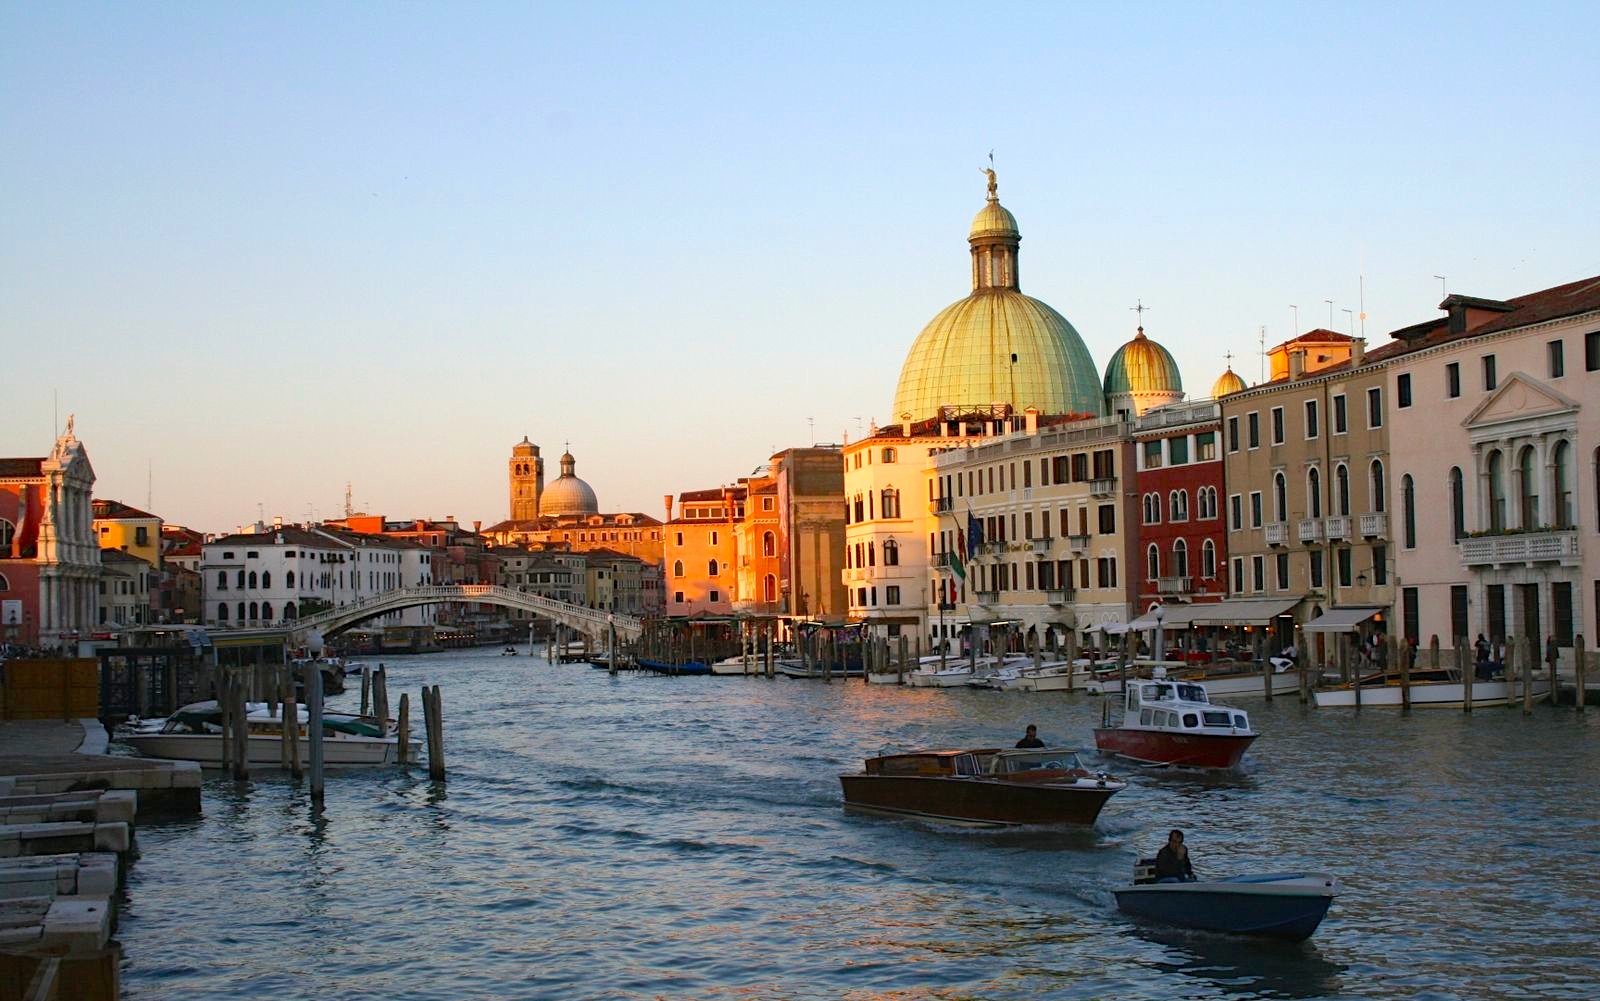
{"type": "Point", "coordinates": [700, 550]}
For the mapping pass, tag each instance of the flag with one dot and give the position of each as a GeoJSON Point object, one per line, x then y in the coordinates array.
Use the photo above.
{"type": "Point", "coordinates": [956, 566]}
{"type": "Point", "coordinates": [974, 533]}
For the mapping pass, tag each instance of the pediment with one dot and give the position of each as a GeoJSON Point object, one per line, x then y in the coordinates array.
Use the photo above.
{"type": "Point", "coordinates": [1519, 398]}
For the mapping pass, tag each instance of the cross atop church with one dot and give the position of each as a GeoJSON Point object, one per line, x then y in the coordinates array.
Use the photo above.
{"type": "Point", "coordinates": [1228, 355]}
{"type": "Point", "coordinates": [1140, 310]}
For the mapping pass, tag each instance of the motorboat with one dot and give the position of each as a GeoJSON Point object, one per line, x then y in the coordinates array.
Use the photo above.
{"type": "Point", "coordinates": [954, 673]}
{"type": "Point", "coordinates": [1056, 676]}
{"type": "Point", "coordinates": [988, 787]}
{"type": "Point", "coordinates": [194, 733]}
{"type": "Point", "coordinates": [1431, 687]}
{"type": "Point", "coordinates": [1283, 905]}
{"type": "Point", "coordinates": [791, 668]}
{"type": "Point", "coordinates": [997, 675]}
{"type": "Point", "coordinates": [1014, 673]}
{"type": "Point", "coordinates": [1172, 722]}
{"type": "Point", "coordinates": [738, 665]}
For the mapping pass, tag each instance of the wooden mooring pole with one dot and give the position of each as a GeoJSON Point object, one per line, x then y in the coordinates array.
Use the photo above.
{"type": "Point", "coordinates": [1405, 674]}
{"type": "Point", "coordinates": [433, 712]}
{"type": "Point", "coordinates": [314, 729]}
{"type": "Point", "coordinates": [1465, 671]}
{"type": "Point", "coordinates": [1530, 654]}
{"type": "Point", "coordinates": [403, 731]}
{"type": "Point", "coordinates": [1578, 668]}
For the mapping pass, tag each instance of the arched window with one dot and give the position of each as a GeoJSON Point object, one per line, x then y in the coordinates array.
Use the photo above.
{"type": "Point", "coordinates": [1561, 471]}
{"type": "Point", "coordinates": [769, 587]}
{"type": "Point", "coordinates": [1178, 504]}
{"type": "Point", "coordinates": [769, 544]}
{"type": "Point", "coordinates": [266, 611]}
{"type": "Point", "coordinates": [266, 579]}
{"type": "Point", "coordinates": [1408, 511]}
{"type": "Point", "coordinates": [1341, 489]}
{"type": "Point", "coordinates": [1458, 505]}
{"type": "Point", "coordinates": [889, 507]}
{"type": "Point", "coordinates": [1180, 558]}
{"type": "Point", "coordinates": [1208, 559]}
{"type": "Point", "coordinates": [289, 611]}
{"type": "Point", "coordinates": [239, 581]}
{"type": "Point", "coordinates": [891, 553]}
{"type": "Point", "coordinates": [677, 568]}
{"type": "Point", "coordinates": [239, 611]}
{"type": "Point", "coordinates": [1210, 503]}
{"type": "Point", "coordinates": [1152, 509]}
{"type": "Point", "coordinates": [861, 508]}
{"type": "Point", "coordinates": [1280, 498]}
{"type": "Point", "coordinates": [1528, 473]}
{"type": "Point", "coordinates": [872, 554]}
{"type": "Point", "coordinates": [5, 585]}
{"type": "Point", "coordinates": [252, 582]}
{"type": "Point", "coordinates": [1314, 492]}
{"type": "Point", "coordinates": [288, 579]}
{"type": "Point", "coordinates": [1497, 491]}
{"type": "Point", "coordinates": [222, 580]}
{"type": "Point", "coordinates": [222, 611]}
{"type": "Point", "coordinates": [8, 531]}
{"type": "Point", "coordinates": [889, 455]}
{"type": "Point", "coordinates": [1152, 559]}
{"type": "Point", "coordinates": [711, 568]}
{"type": "Point", "coordinates": [255, 611]}
{"type": "Point", "coordinates": [1378, 487]}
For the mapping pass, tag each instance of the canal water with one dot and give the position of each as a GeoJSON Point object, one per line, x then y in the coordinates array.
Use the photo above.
{"type": "Point", "coordinates": [642, 837]}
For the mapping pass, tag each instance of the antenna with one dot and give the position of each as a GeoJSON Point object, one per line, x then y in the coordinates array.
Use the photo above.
{"type": "Point", "coordinates": [1352, 316]}
{"type": "Point", "coordinates": [1296, 312]}
{"type": "Point", "coordinates": [1443, 291]}
{"type": "Point", "coordinates": [1330, 312]}
{"type": "Point", "coordinates": [1261, 336]}
{"type": "Point", "coordinates": [349, 508]}
{"type": "Point", "coordinates": [261, 512]}
{"type": "Point", "coordinates": [149, 484]}
{"type": "Point", "coordinates": [811, 425]}
{"type": "Point", "coordinates": [1361, 303]}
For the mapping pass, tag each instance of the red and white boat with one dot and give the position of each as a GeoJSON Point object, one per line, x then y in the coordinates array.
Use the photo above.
{"type": "Point", "coordinates": [1170, 722]}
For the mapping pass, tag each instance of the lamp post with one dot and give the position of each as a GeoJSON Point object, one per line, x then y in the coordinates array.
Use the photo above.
{"type": "Point", "coordinates": [1160, 612]}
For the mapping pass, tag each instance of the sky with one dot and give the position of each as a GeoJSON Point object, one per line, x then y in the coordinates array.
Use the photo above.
{"type": "Point", "coordinates": [263, 251]}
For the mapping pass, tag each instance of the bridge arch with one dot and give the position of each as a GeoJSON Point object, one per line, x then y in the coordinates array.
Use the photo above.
{"type": "Point", "coordinates": [590, 621]}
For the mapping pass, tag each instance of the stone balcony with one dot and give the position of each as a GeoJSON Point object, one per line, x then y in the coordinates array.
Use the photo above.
{"type": "Point", "coordinates": [1077, 543]}
{"type": "Point", "coordinates": [1338, 527]}
{"type": "Point", "coordinates": [1103, 486]}
{"type": "Point", "coordinates": [1374, 525]}
{"type": "Point", "coordinates": [1525, 547]}
{"type": "Point", "coordinates": [1041, 544]}
{"type": "Point", "coordinates": [1174, 585]}
{"type": "Point", "coordinates": [1309, 530]}
{"type": "Point", "coordinates": [987, 597]}
{"type": "Point", "coordinates": [1058, 595]}
{"type": "Point", "coordinates": [1277, 533]}
{"type": "Point", "coordinates": [941, 505]}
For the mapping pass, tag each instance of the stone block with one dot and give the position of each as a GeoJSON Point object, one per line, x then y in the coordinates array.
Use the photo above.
{"type": "Point", "coordinates": [113, 837]}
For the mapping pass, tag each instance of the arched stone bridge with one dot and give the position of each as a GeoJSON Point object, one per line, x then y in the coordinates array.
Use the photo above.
{"type": "Point", "coordinates": [591, 621]}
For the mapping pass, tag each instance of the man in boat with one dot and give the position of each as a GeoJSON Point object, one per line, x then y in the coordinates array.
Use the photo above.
{"type": "Point", "coordinates": [1172, 861]}
{"type": "Point", "coordinates": [1031, 738]}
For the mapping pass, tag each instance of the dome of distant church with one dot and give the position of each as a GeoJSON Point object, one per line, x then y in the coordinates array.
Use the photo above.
{"type": "Point", "coordinates": [1227, 382]}
{"type": "Point", "coordinates": [568, 494]}
{"type": "Point", "coordinates": [997, 345]}
{"type": "Point", "coordinates": [1142, 366]}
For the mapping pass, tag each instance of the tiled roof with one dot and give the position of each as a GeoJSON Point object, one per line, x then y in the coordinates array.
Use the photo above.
{"type": "Point", "coordinates": [21, 467]}
{"type": "Point", "coordinates": [291, 536]}
{"type": "Point", "coordinates": [710, 495]}
{"type": "Point", "coordinates": [1321, 335]}
{"type": "Point", "coordinates": [114, 510]}
{"type": "Point", "coordinates": [1571, 299]}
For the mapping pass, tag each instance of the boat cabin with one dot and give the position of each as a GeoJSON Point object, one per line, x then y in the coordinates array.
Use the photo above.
{"type": "Point", "coordinates": [1035, 764]}
{"type": "Point", "coordinates": [1179, 707]}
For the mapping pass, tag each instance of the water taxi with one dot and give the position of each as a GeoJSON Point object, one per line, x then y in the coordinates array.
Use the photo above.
{"type": "Point", "coordinates": [988, 787]}
{"type": "Point", "coordinates": [1174, 723]}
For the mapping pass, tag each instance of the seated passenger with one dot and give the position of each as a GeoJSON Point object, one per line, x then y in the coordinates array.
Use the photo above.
{"type": "Point", "coordinates": [1172, 862]}
{"type": "Point", "coordinates": [1031, 738]}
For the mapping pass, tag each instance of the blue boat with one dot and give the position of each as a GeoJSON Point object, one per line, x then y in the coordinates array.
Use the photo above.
{"type": "Point", "coordinates": [665, 667]}
{"type": "Point", "coordinates": [1283, 905]}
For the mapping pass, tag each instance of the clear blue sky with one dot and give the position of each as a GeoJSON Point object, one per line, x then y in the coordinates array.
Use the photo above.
{"type": "Point", "coordinates": [262, 250]}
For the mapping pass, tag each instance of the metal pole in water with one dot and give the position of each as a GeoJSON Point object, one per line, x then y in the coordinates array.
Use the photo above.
{"type": "Point", "coordinates": [314, 727]}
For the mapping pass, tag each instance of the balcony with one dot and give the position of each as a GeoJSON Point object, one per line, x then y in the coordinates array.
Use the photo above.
{"type": "Point", "coordinates": [1374, 525]}
{"type": "Point", "coordinates": [1277, 533]}
{"type": "Point", "coordinates": [1077, 543]}
{"type": "Point", "coordinates": [942, 505]}
{"type": "Point", "coordinates": [1041, 544]}
{"type": "Point", "coordinates": [1309, 530]}
{"type": "Point", "coordinates": [1174, 585]}
{"type": "Point", "coordinates": [944, 561]}
{"type": "Point", "coordinates": [1103, 486]}
{"type": "Point", "coordinates": [1058, 595]}
{"type": "Point", "coordinates": [860, 573]}
{"type": "Point", "coordinates": [988, 597]}
{"type": "Point", "coordinates": [1526, 547]}
{"type": "Point", "coordinates": [947, 606]}
{"type": "Point", "coordinates": [992, 547]}
{"type": "Point", "coordinates": [1338, 527]}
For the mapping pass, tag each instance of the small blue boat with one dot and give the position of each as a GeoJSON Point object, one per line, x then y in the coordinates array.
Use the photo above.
{"type": "Point", "coordinates": [1284, 905]}
{"type": "Point", "coordinates": [665, 667]}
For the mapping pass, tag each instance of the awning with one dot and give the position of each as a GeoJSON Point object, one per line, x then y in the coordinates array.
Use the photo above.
{"type": "Point", "coordinates": [1340, 620]}
{"type": "Point", "coordinates": [1242, 612]}
{"type": "Point", "coordinates": [1172, 617]}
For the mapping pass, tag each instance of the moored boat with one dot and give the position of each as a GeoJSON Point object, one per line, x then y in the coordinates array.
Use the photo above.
{"type": "Point", "coordinates": [667, 667]}
{"type": "Point", "coordinates": [986, 787]}
{"type": "Point", "coordinates": [1288, 905]}
{"type": "Point", "coordinates": [194, 733]}
{"type": "Point", "coordinates": [1175, 723]}
{"type": "Point", "coordinates": [1436, 688]}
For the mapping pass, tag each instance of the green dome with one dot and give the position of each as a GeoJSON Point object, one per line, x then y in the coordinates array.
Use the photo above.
{"type": "Point", "coordinates": [1142, 366]}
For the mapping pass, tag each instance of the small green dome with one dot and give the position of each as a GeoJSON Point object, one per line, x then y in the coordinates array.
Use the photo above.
{"type": "Point", "coordinates": [1142, 366]}
{"type": "Point", "coordinates": [994, 220]}
{"type": "Point", "coordinates": [1227, 382]}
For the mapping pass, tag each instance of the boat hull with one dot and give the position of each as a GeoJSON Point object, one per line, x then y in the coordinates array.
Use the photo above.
{"type": "Point", "coordinates": [1289, 907]}
{"type": "Point", "coordinates": [663, 667]}
{"type": "Point", "coordinates": [267, 748]}
{"type": "Point", "coordinates": [1433, 694]}
{"type": "Point", "coordinates": [1162, 747]}
{"type": "Point", "coordinates": [985, 802]}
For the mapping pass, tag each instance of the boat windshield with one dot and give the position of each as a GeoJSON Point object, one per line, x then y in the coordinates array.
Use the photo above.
{"type": "Point", "coordinates": [1157, 693]}
{"type": "Point", "coordinates": [1051, 758]}
{"type": "Point", "coordinates": [1192, 693]}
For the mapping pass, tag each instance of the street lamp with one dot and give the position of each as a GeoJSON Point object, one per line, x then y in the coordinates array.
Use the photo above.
{"type": "Point", "coordinates": [1160, 612]}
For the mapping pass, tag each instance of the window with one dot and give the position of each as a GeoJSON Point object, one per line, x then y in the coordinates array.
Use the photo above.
{"type": "Point", "coordinates": [767, 504]}
{"type": "Point", "coordinates": [1380, 565]}
{"type": "Point", "coordinates": [1313, 429]}
{"type": "Point", "coordinates": [1233, 432]}
{"type": "Point", "coordinates": [1180, 558]}
{"type": "Point", "coordinates": [1458, 506]}
{"type": "Point", "coordinates": [1591, 351]}
{"type": "Point", "coordinates": [1340, 421]}
{"type": "Point", "coordinates": [677, 597]}
{"type": "Point", "coordinates": [222, 581]}
{"type": "Point", "coordinates": [677, 568]}
{"type": "Point", "coordinates": [1236, 511]}
{"type": "Point", "coordinates": [715, 596]}
{"type": "Point", "coordinates": [1179, 505]}
{"type": "Point", "coordinates": [238, 582]}
{"type": "Point", "coordinates": [1374, 407]}
{"type": "Point", "coordinates": [1254, 421]}
{"type": "Point", "coordinates": [713, 538]}
{"type": "Point", "coordinates": [1108, 519]}
{"type": "Point", "coordinates": [891, 553]}
{"type": "Point", "coordinates": [1497, 491]}
{"type": "Point", "coordinates": [266, 611]}
{"type": "Point", "coordinates": [1489, 380]}
{"type": "Point", "coordinates": [1280, 498]}
{"type": "Point", "coordinates": [1558, 362]}
{"type": "Point", "coordinates": [1152, 562]}
{"type": "Point", "coordinates": [680, 538]}
{"type": "Point", "coordinates": [1377, 489]}
{"type": "Point", "coordinates": [891, 595]}
{"type": "Point", "coordinates": [1208, 559]}
{"type": "Point", "coordinates": [769, 544]}
{"type": "Point", "coordinates": [889, 455]}
{"type": "Point", "coordinates": [890, 507]}
{"type": "Point", "coordinates": [1408, 511]}
{"type": "Point", "coordinates": [1452, 380]}
{"type": "Point", "coordinates": [1341, 490]}
{"type": "Point", "coordinates": [1152, 509]}
{"type": "Point", "coordinates": [1258, 573]}
{"type": "Point", "coordinates": [252, 580]}
{"type": "Point", "coordinates": [1282, 569]}
{"type": "Point", "coordinates": [1528, 467]}
{"type": "Point", "coordinates": [1238, 575]}
{"type": "Point", "coordinates": [1255, 509]}
{"type": "Point", "coordinates": [1458, 610]}
{"type": "Point", "coordinates": [1561, 472]}
{"type": "Point", "coordinates": [1342, 554]}
{"type": "Point", "coordinates": [1107, 571]}
{"type": "Point", "coordinates": [1403, 390]}
{"type": "Point", "coordinates": [1316, 567]}
{"type": "Point", "coordinates": [1152, 455]}
{"type": "Point", "coordinates": [1177, 451]}
{"type": "Point", "coordinates": [1313, 492]}
{"type": "Point", "coordinates": [1277, 426]}
{"type": "Point", "coordinates": [222, 612]}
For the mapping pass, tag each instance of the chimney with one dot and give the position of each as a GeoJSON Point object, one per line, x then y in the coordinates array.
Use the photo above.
{"type": "Point", "coordinates": [1297, 363]}
{"type": "Point", "coordinates": [1358, 352]}
{"type": "Point", "coordinates": [667, 500]}
{"type": "Point", "coordinates": [277, 521]}
{"type": "Point", "coordinates": [1030, 420]}
{"type": "Point", "coordinates": [905, 424]}
{"type": "Point", "coordinates": [475, 526]}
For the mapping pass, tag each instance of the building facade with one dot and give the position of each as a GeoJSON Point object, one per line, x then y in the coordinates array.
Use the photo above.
{"type": "Point", "coordinates": [1180, 552]}
{"type": "Point", "coordinates": [701, 549]}
{"type": "Point", "coordinates": [49, 560]}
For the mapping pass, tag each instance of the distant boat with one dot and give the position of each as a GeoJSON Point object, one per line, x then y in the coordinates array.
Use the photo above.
{"type": "Point", "coordinates": [1438, 688]}
{"type": "Point", "coordinates": [1287, 905]}
{"type": "Point", "coordinates": [667, 667]}
{"type": "Point", "coordinates": [194, 733]}
{"type": "Point", "coordinates": [986, 787]}
{"type": "Point", "coordinates": [1170, 722]}
{"type": "Point", "coordinates": [795, 669]}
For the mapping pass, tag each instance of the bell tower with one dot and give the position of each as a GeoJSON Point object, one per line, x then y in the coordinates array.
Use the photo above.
{"type": "Point", "coordinates": [527, 480]}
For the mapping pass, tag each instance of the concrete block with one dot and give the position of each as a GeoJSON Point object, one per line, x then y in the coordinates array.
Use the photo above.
{"type": "Point", "coordinates": [118, 804]}
{"type": "Point", "coordinates": [78, 924]}
{"type": "Point", "coordinates": [113, 837]}
{"type": "Point", "coordinates": [97, 874]}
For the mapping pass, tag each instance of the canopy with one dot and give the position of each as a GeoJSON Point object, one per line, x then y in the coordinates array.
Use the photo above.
{"type": "Point", "coordinates": [1341, 620]}
{"type": "Point", "coordinates": [1242, 612]}
{"type": "Point", "coordinates": [1172, 617]}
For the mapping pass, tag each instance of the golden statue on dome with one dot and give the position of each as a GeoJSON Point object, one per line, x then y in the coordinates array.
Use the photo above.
{"type": "Point", "coordinates": [994, 194]}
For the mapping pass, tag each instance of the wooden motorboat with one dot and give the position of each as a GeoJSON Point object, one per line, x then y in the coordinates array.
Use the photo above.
{"type": "Point", "coordinates": [1171, 722]}
{"type": "Point", "coordinates": [1434, 687]}
{"type": "Point", "coordinates": [988, 787]}
{"type": "Point", "coordinates": [1287, 905]}
{"type": "Point", "coordinates": [194, 733]}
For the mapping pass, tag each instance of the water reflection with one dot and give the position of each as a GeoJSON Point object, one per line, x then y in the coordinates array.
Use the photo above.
{"type": "Point", "coordinates": [1246, 967]}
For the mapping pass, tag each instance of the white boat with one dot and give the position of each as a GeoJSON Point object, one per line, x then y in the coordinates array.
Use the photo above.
{"type": "Point", "coordinates": [1433, 688]}
{"type": "Point", "coordinates": [956, 673]}
{"type": "Point", "coordinates": [1055, 676]}
{"type": "Point", "coordinates": [194, 733]}
{"type": "Point", "coordinates": [737, 665]}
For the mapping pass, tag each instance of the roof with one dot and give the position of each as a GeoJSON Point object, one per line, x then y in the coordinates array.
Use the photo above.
{"type": "Point", "coordinates": [11, 468]}
{"type": "Point", "coordinates": [118, 556]}
{"type": "Point", "coordinates": [1571, 299]}
{"type": "Point", "coordinates": [113, 510]}
{"type": "Point", "coordinates": [711, 495]}
{"type": "Point", "coordinates": [1320, 335]}
{"type": "Point", "coordinates": [289, 534]}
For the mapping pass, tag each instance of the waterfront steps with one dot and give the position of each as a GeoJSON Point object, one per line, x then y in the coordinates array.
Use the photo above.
{"type": "Point", "coordinates": [87, 874]}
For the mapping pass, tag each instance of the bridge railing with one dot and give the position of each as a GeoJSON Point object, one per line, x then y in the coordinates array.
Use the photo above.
{"type": "Point", "coordinates": [565, 612]}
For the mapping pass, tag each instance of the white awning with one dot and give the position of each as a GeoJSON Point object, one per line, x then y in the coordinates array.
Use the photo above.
{"type": "Point", "coordinates": [1340, 620]}
{"type": "Point", "coordinates": [1172, 617]}
{"type": "Point", "coordinates": [1242, 612]}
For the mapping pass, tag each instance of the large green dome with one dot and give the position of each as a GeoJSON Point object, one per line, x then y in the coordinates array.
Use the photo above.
{"type": "Point", "coordinates": [1142, 366]}
{"type": "Point", "coordinates": [997, 345]}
